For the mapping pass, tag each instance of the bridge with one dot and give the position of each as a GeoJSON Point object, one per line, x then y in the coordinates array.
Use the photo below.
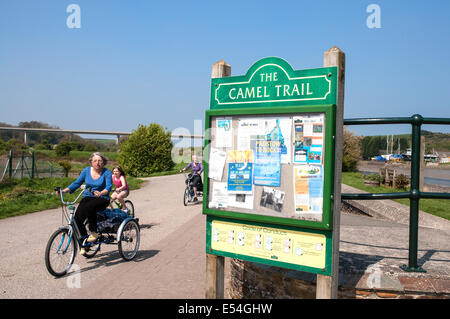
{"type": "Point", "coordinates": [25, 131]}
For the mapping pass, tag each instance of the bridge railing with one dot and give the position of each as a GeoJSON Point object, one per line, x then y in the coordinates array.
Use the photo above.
{"type": "Point", "coordinates": [414, 195]}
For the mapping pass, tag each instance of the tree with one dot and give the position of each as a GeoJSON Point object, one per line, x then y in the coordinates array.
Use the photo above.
{"type": "Point", "coordinates": [147, 150]}
{"type": "Point", "coordinates": [63, 149]}
{"type": "Point", "coordinates": [66, 166]}
{"type": "Point", "coordinates": [350, 151]}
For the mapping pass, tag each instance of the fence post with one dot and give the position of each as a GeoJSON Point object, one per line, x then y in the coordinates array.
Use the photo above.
{"type": "Point", "coordinates": [10, 160]}
{"type": "Point", "coordinates": [21, 166]}
{"type": "Point", "coordinates": [32, 164]}
{"type": "Point", "coordinates": [415, 196]}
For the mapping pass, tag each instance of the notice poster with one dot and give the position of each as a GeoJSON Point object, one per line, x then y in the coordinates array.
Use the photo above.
{"type": "Point", "coordinates": [272, 198]}
{"type": "Point", "coordinates": [247, 128]}
{"type": "Point", "coordinates": [241, 201]}
{"type": "Point", "coordinates": [219, 195]}
{"type": "Point", "coordinates": [267, 162]}
{"type": "Point", "coordinates": [288, 246]}
{"type": "Point", "coordinates": [224, 132]}
{"type": "Point", "coordinates": [280, 129]}
{"type": "Point", "coordinates": [217, 159]}
{"type": "Point", "coordinates": [271, 129]}
{"type": "Point", "coordinates": [308, 189]}
{"type": "Point", "coordinates": [240, 179]}
{"type": "Point", "coordinates": [308, 139]}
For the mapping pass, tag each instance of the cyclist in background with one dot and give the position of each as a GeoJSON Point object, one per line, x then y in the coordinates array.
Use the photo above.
{"type": "Point", "coordinates": [196, 169]}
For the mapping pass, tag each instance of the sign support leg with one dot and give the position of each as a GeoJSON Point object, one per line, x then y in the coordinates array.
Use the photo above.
{"type": "Point", "coordinates": [215, 277]}
{"type": "Point", "coordinates": [215, 265]}
{"type": "Point", "coordinates": [327, 287]}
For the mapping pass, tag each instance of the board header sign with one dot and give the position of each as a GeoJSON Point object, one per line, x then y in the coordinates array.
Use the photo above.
{"type": "Point", "coordinates": [272, 82]}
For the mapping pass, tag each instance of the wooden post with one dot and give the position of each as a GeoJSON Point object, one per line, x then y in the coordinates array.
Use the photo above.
{"type": "Point", "coordinates": [327, 287]}
{"type": "Point", "coordinates": [215, 277]}
{"type": "Point", "coordinates": [215, 270]}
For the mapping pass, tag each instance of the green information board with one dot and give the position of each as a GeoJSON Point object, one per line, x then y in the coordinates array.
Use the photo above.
{"type": "Point", "coordinates": [269, 166]}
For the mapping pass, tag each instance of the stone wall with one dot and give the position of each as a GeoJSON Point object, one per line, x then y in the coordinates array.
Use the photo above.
{"type": "Point", "coordinates": [249, 280]}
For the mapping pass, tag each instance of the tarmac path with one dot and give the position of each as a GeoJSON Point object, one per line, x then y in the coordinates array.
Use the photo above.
{"type": "Point", "coordinates": [159, 207]}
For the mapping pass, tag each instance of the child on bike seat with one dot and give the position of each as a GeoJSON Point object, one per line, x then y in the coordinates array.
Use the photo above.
{"type": "Point", "coordinates": [122, 190]}
{"type": "Point", "coordinates": [196, 169]}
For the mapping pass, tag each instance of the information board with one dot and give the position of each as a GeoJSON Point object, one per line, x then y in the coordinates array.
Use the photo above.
{"type": "Point", "coordinates": [269, 165]}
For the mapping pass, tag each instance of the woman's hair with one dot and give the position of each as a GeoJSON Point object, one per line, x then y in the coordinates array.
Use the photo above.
{"type": "Point", "coordinates": [120, 169]}
{"type": "Point", "coordinates": [104, 159]}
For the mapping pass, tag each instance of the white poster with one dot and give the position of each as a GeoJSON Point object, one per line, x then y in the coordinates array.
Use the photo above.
{"type": "Point", "coordinates": [241, 200]}
{"type": "Point", "coordinates": [247, 128]}
{"type": "Point", "coordinates": [224, 132]}
{"type": "Point", "coordinates": [219, 195]}
{"type": "Point", "coordinates": [217, 159]}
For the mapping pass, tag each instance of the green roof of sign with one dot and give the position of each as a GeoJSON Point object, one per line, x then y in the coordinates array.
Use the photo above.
{"type": "Point", "coordinates": [271, 82]}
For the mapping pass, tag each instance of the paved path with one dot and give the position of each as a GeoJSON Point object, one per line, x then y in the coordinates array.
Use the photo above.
{"type": "Point", "coordinates": [23, 239]}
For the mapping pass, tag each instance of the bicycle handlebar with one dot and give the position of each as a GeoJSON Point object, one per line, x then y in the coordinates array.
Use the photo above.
{"type": "Point", "coordinates": [60, 193]}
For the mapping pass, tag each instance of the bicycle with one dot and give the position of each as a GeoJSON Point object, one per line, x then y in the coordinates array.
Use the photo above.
{"type": "Point", "coordinates": [112, 225]}
{"type": "Point", "coordinates": [189, 194]}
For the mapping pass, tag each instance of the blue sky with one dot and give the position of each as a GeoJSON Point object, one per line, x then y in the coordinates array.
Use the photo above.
{"type": "Point", "coordinates": [138, 62]}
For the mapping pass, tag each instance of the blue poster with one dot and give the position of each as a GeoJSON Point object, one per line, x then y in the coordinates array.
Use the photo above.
{"type": "Point", "coordinates": [240, 178]}
{"type": "Point", "coordinates": [267, 162]}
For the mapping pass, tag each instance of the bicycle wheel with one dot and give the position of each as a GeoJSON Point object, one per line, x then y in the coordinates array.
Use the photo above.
{"type": "Point", "coordinates": [186, 196]}
{"type": "Point", "coordinates": [60, 252]}
{"type": "Point", "coordinates": [90, 248]}
{"type": "Point", "coordinates": [129, 239]}
{"type": "Point", "coordinates": [129, 205]}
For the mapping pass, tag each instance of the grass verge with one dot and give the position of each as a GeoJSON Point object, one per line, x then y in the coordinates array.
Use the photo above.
{"type": "Point", "coordinates": [437, 207]}
{"type": "Point", "coordinates": [22, 196]}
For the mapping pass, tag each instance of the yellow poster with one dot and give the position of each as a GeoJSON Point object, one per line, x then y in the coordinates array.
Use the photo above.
{"type": "Point", "coordinates": [295, 247]}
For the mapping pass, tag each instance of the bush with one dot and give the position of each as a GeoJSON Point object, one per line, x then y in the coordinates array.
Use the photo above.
{"type": "Point", "coordinates": [90, 147]}
{"type": "Point", "coordinates": [63, 149]}
{"type": "Point", "coordinates": [66, 166]}
{"type": "Point", "coordinates": [401, 181]}
{"type": "Point", "coordinates": [373, 177]}
{"type": "Point", "coordinates": [147, 150]}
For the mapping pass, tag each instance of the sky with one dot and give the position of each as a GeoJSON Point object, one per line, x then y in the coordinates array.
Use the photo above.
{"type": "Point", "coordinates": [140, 62]}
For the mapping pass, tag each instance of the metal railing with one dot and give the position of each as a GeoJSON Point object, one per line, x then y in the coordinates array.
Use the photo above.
{"type": "Point", "coordinates": [414, 195]}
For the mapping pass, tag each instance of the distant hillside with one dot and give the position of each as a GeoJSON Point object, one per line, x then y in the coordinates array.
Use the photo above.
{"type": "Point", "coordinates": [440, 142]}
{"type": "Point", "coordinates": [47, 140]}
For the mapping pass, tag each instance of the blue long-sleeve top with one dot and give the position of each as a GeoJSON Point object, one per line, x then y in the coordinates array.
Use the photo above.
{"type": "Point", "coordinates": [99, 184]}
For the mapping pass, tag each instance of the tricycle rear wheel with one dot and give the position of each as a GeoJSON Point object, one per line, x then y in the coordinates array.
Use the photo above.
{"type": "Point", "coordinates": [128, 239]}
